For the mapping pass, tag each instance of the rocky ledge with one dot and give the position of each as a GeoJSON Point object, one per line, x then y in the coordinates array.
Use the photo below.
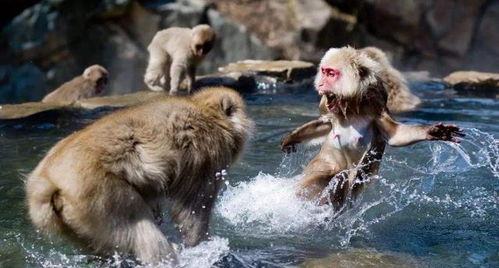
{"type": "Point", "coordinates": [244, 76]}
{"type": "Point", "coordinates": [23, 110]}
{"type": "Point", "coordinates": [471, 83]}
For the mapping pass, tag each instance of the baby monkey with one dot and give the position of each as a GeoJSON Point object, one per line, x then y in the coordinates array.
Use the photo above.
{"type": "Point", "coordinates": [175, 53]}
{"type": "Point", "coordinates": [355, 128]}
{"type": "Point", "coordinates": [91, 83]}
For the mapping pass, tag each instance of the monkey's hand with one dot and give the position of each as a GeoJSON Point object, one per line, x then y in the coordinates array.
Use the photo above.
{"type": "Point", "coordinates": [444, 132]}
{"type": "Point", "coordinates": [287, 145]}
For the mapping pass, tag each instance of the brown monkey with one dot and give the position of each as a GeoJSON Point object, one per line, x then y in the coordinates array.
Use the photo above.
{"type": "Point", "coordinates": [175, 53]}
{"type": "Point", "coordinates": [355, 128]}
{"type": "Point", "coordinates": [91, 83]}
{"type": "Point", "coordinates": [103, 185]}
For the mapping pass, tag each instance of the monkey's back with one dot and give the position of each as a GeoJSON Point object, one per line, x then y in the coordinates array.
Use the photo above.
{"type": "Point", "coordinates": [71, 91]}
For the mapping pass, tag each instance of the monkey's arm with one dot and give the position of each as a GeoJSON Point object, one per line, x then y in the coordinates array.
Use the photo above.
{"type": "Point", "coordinates": [398, 134]}
{"type": "Point", "coordinates": [191, 78]}
{"type": "Point", "coordinates": [311, 130]}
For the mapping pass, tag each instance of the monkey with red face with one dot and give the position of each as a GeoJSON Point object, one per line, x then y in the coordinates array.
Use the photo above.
{"type": "Point", "coordinates": [354, 129]}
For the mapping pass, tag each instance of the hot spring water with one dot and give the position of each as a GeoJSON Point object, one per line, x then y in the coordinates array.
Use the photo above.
{"type": "Point", "coordinates": [433, 204]}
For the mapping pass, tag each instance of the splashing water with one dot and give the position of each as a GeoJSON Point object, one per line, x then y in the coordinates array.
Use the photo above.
{"type": "Point", "coordinates": [433, 202]}
{"type": "Point", "coordinates": [267, 204]}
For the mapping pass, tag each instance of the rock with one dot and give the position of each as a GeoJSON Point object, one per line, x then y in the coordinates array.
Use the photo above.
{"type": "Point", "coordinates": [26, 82]}
{"type": "Point", "coordinates": [18, 111]}
{"type": "Point", "coordinates": [365, 258]}
{"type": "Point", "coordinates": [487, 33]}
{"type": "Point", "coordinates": [119, 100]}
{"type": "Point", "coordinates": [285, 70]}
{"type": "Point", "coordinates": [472, 77]}
{"type": "Point", "coordinates": [471, 83]}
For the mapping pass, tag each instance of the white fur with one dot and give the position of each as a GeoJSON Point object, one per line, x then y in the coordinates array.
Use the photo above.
{"type": "Point", "coordinates": [348, 61]}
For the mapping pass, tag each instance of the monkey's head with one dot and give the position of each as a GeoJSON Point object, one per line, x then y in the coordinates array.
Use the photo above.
{"type": "Point", "coordinates": [227, 105]}
{"type": "Point", "coordinates": [202, 40]}
{"type": "Point", "coordinates": [347, 78]}
{"type": "Point", "coordinates": [98, 76]}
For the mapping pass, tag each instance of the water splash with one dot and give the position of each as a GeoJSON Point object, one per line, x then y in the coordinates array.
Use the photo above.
{"type": "Point", "coordinates": [203, 255]}
{"type": "Point", "coordinates": [267, 204]}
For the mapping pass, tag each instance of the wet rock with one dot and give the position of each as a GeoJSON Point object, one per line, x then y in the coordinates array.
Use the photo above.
{"type": "Point", "coordinates": [471, 83]}
{"type": "Point", "coordinates": [119, 100]}
{"type": "Point", "coordinates": [15, 111]}
{"type": "Point", "coordinates": [18, 111]}
{"type": "Point", "coordinates": [286, 70]}
{"type": "Point", "coordinates": [265, 77]}
{"type": "Point", "coordinates": [365, 258]}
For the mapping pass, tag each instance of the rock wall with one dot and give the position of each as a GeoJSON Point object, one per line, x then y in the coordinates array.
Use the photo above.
{"type": "Point", "coordinates": [435, 35]}
{"type": "Point", "coordinates": [54, 40]}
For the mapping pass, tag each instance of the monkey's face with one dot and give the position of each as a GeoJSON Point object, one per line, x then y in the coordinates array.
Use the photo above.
{"type": "Point", "coordinates": [98, 77]}
{"type": "Point", "coordinates": [201, 49]}
{"type": "Point", "coordinates": [203, 38]}
{"type": "Point", "coordinates": [100, 85]}
{"type": "Point", "coordinates": [344, 74]}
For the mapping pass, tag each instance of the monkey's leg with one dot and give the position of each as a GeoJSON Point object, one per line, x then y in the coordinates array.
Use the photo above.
{"type": "Point", "coordinates": [316, 178]}
{"type": "Point", "coordinates": [191, 78]}
{"type": "Point", "coordinates": [311, 130]}
{"type": "Point", "coordinates": [149, 243]}
{"type": "Point", "coordinates": [192, 216]}
{"type": "Point", "coordinates": [116, 217]}
{"type": "Point", "coordinates": [177, 74]}
{"type": "Point", "coordinates": [158, 61]}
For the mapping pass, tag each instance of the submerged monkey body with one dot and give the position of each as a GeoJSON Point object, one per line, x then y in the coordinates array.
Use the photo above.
{"type": "Point", "coordinates": [106, 184]}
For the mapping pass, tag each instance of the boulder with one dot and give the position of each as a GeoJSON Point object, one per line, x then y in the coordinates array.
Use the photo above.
{"type": "Point", "coordinates": [285, 70]}
{"type": "Point", "coordinates": [474, 83]}
{"type": "Point", "coordinates": [365, 258]}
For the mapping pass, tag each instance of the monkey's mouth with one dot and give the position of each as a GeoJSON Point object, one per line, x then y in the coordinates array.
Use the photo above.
{"type": "Point", "coordinates": [333, 103]}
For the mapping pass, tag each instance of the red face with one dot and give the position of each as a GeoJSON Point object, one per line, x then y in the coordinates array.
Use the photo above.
{"type": "Point", "coordinates": [328, 77]}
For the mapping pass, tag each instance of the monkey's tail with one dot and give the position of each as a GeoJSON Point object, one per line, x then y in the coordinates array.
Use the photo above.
{"type": "Point", "coordinates": [45, 205]}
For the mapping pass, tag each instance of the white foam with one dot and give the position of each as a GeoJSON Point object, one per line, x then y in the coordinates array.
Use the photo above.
{"type": "Point", "coordinates": [270, 202]}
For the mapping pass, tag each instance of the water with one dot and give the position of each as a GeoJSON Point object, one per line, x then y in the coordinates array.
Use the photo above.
{"type": "Point", "coordinates": [433, 204]}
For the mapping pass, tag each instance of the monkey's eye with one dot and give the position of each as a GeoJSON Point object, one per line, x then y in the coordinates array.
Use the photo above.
{"type": "Point", "coordinates": [199, 47]}
{"type": "Point", "coordinates": [330, 72]}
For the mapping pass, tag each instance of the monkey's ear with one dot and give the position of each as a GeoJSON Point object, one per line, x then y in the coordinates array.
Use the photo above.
{"type": "Point", "coordinates": [227, 105]}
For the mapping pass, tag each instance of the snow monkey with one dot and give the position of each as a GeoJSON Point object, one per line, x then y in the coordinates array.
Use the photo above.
{"type": "Point", "coordinates": [91, 83]}
{"type": "Point", "coordinates": [355, 129]}
{"type": "Point", "coordinates": [105, 185]}
{"type": "Point", "coordinates": [175, 53]}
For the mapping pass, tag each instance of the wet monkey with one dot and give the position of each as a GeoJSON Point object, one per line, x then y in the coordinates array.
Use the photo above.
{"type": "Point", "coordinates": [174, 54]}
{"type": "Point", "coordinates": [354, 127]}
{"type": "Point", "coordinates": [103, 185]}
{"type": "Point", "coordinates": [91, 83]}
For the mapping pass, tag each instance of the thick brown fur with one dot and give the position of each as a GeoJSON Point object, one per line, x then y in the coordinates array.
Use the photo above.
{"type": "Point", "coordinates": [354, 128]}
{"type": "Point", "coordinates": [174, 54]}
{"type": "Point", "coordinates": [89, 84]}
{"type": "Point", "coordinates": [106, 184]}
{"type": "Point", "coordinates": [400, 98]}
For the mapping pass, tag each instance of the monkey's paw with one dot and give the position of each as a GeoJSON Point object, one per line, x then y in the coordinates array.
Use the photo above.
{"type": "Point", "coordinates": [287, 145]}
{"type": "Point", "coordinates": [445, 132]}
